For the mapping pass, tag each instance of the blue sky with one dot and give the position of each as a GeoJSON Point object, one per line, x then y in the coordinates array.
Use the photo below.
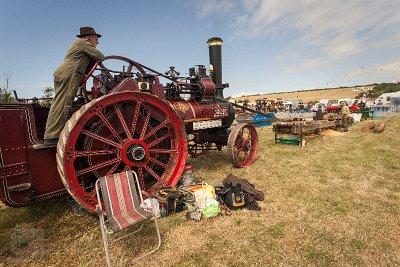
{"type": "Point", "coordinates": [274, 45]}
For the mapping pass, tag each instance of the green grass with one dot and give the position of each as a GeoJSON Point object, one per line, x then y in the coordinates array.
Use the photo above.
{"type": "Point", "coordinates": [334, 202]}
{"type": "Point", "coordinates": [276, 230]}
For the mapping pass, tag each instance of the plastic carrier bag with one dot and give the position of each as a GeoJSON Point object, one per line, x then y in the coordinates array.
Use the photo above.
{"type": "Point", "coordinates": [206, 199]}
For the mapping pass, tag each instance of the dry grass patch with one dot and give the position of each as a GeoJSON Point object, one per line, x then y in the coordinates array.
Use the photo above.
{"type": "Point", "coordinates": [314, 95]}
{"type": "Point", "coordinates": [334, 202]}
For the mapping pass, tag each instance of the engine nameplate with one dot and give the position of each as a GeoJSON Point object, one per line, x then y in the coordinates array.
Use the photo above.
{"type": "Point", "coordinates": [199, 125]}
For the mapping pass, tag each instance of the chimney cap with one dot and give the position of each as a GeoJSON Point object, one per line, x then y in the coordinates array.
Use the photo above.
{"type": "Point", "coordinates": [214, 41]}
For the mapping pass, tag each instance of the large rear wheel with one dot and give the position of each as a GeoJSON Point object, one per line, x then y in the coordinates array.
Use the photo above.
{"type": "Point", "coordinates": [117, 132]}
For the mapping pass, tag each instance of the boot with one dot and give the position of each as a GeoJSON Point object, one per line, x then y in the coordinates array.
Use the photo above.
{"type": "Point", "coordinates": [46, 143]}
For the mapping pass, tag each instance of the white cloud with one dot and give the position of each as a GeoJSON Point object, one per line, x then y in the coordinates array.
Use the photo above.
{"type": "Point", "coordinates": [307, 63]}
{"type": "Point", "coordinates": [210, 7]}
{"type": "Point", "coordinates": [391, 68]}
{"type": "Point", "coordinates": [328, 30]}
{"type": "Point", "coordinates": [383, 72]}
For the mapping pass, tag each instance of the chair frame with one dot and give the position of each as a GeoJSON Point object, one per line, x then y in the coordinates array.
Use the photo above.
{"type": "Point", "coordinates": [106, 231]}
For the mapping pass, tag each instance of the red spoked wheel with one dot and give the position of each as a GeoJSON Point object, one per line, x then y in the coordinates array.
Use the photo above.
{"type": "Point", "coordinates": [197, 149]}
{"type": "Point", "coordinates": [242, 145]}
{"type": "Point", "coordinates": [117, 132]}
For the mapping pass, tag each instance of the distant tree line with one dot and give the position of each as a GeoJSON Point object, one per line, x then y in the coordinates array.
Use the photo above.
{"type": "Point", "coordinates": [380, 89]}
{"type": "Point", "coordinates": [7, 97]}
{"type": "Point", "coordinates": [388, 88]}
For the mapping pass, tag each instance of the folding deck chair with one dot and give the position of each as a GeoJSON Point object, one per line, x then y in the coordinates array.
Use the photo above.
{"type": "Point", "coordinates": [119, 207]}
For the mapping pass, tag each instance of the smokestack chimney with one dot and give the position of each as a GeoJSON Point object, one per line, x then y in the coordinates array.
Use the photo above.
{"type": "Point", "coordinates": [214, 49]}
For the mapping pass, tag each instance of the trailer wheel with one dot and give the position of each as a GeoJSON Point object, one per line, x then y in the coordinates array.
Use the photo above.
{"type": "Point", "coordinates": [117, 132]}
{"type": "Point", "coordinates": [242, 145]}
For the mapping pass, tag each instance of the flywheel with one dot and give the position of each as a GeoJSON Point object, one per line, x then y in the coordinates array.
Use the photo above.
{"type": "Point", "coordinates": [117, 132]}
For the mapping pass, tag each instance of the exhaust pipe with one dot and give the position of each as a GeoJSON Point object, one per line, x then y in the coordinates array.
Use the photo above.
{"type": "Point", "coordinates": [214, 49]}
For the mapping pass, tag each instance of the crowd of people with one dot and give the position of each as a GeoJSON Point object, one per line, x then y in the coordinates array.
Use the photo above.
{"type": "Point", "coordinates": [265, 105]}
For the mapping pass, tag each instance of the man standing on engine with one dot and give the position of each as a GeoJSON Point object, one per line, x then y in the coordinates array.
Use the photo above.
{"type": "Point", "coordinates": [67, 78]}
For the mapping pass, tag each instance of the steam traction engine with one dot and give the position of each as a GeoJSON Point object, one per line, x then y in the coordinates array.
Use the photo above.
{"type": "Point", "coordinates": [128, 120]}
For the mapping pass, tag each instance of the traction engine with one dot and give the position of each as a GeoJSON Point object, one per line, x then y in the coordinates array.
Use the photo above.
{"type": "Point", "coordinates": [128, 120]}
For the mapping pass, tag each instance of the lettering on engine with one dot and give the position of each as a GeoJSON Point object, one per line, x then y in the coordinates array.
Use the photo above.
{"type": "Point", "coordinates": [199, 125]}
{"type": "Point", "coordinates": [220, 112]}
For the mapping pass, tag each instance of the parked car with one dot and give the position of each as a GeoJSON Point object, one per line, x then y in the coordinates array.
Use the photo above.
{"type": "Point", "coordinates": [337, 108]}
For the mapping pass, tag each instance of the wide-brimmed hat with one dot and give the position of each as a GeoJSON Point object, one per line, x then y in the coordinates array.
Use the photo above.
{"type": "Point", "coordinates": [84, 31]}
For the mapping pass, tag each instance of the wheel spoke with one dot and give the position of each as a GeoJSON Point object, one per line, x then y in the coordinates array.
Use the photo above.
{"type": "Point", "coordinates": [146, 123]}
{"type": "Point", "coordinates": [112, 170]}
{"type": "Point", "coordinates": [122, 121]}
{"type": "Point", "coordinates": [100, 138]}
{"type": "Point", "coordinates": [93, 153]}
{"type": "Point", "coordinates": [158, 162]}
{"type": "Point", "coordinates": [97, 166]}
{"type": "Point", "coordinates": [108, 125]}
{"type": "Point", "coordinates": [239, 143]}
{"type": "Point", "coordinates": [135, 116]}
{"type": "Point", "coordinates": [155, 129]}
{"type": "Point", "coordinates": [155, 175]}
{"type": "Point", "coordinates": [158, 140]}
{"type": "Point", "coordinates": [163, 151]}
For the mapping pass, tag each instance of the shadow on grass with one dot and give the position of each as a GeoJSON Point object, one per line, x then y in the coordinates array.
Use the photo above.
{"type": "Point", "coordinates": [51, 210]}
{"type": "Point", "coordinates": [19, 227]}
{"type": "Point", "coordinates": [212, 160]}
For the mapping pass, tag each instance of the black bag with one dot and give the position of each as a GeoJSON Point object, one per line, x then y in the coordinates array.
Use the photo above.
{"type": "Point", "coordinates": [173, 199]}
{"type": "Point", "coordinates": [233, 181]}
{"type": "Point", "coordinates": [236, 198]}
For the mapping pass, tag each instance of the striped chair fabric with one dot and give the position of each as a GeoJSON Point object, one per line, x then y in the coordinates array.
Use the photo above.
{"type": "Point", "coordinates": [122, 201]}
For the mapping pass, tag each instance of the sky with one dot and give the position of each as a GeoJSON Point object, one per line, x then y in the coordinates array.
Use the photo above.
{"type": "Point", "coordinates": [269, 45]}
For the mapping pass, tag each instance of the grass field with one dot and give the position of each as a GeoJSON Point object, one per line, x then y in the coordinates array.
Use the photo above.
{"type": "Point", "coordinates": [307, 96]}
{"type": "Point", "coordinates": [334, 202]}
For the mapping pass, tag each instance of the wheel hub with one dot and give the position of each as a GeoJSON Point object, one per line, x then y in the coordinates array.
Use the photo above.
{"type": "Point", "coordinates": [136, 153]}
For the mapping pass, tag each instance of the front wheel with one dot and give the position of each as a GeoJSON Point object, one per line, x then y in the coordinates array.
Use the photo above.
{"type": "Point", "coordinates": [242, 145]}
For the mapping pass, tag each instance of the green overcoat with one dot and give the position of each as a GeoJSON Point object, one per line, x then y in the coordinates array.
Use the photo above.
{"type": "Point", "coordinates": [66, 83]}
